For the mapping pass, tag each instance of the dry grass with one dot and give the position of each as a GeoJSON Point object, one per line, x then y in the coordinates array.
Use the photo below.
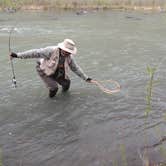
{"type": "Point", "coordinates": [85, 4]}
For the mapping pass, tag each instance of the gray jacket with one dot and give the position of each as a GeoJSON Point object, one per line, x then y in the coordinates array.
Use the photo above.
{"type": "Point", "coordinates": [49, 58]}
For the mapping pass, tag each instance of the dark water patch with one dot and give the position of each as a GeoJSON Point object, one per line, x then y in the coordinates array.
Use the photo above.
{"type": "Point", "coordinates": [133, 18]}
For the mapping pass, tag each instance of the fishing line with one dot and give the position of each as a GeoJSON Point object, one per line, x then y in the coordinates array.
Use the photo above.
{"type": "Point", "coordinates": [105, 89]}
{"type": "Point", "coordinates": [14, 82]}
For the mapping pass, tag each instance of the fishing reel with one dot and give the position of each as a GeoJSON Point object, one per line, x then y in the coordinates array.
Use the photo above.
{"type": "Point", "coordinates": [14, 82]}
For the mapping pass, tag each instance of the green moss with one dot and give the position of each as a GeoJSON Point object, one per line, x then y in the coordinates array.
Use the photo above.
{"type": "Point", "coordinates": [123, 154]}
{"type": "Point", "coordinates": [151, 72]}
{"type": "Point", "coordinates": [1, 158]}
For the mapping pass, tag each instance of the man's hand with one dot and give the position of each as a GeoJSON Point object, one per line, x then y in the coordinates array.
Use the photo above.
{"type": "Point", "coordinates": [88, 79]}
{"type": "Point", "coordinates": [13, 55]}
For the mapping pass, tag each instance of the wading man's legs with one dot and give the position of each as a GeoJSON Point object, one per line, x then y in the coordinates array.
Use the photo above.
{"type": "Point", "coordinates": [49, 82]}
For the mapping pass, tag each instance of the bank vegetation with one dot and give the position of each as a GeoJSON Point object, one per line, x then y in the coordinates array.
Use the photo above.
{"type": "Point", "coordinates": [159, 5]}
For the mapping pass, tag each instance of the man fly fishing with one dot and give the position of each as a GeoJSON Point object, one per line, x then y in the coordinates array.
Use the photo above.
{"type": "Point", "coordinates": [53, 65]}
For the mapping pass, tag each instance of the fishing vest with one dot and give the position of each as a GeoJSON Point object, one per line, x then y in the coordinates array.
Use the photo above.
{"type": "Point", "coordinates": [49, 66]}
{"type": "Point", "coordinates": [60, 71]}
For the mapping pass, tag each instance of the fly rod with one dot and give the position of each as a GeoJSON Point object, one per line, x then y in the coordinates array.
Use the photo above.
{"type": "Point", "coordinates": [14, 82]}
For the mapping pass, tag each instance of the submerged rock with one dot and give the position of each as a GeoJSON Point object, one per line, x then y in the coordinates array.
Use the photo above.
{"type": "Point", "coordinates": [10, 10]}
{"type": "Point", "coordinates": [81, 12]}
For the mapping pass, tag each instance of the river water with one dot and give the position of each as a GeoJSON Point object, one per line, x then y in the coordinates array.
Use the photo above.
{"type": "Point", "coordinates": [85, 126]}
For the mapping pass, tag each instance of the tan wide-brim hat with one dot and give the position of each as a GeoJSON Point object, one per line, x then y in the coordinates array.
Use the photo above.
{"type": "Point", "coordinates": [68, 45]}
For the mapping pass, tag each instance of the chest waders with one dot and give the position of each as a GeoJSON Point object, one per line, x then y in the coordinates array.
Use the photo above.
{"type": "Point", "coordinates": [57, 78]}
{"type": "Point", "coordinates": [60, 71]}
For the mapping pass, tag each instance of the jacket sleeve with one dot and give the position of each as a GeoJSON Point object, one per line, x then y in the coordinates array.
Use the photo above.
{"type": "Point", "coordinates": [37, 53]}
{"type": "Point", "coordinates": [77, 69]}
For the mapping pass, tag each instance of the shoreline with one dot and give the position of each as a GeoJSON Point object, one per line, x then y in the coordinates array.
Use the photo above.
{"type": "Point", "coordinates": [83, 8]}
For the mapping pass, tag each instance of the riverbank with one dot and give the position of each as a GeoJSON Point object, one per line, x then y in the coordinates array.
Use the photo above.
{"type": "Point", "coordinates": [94, 8]}
{"type": "Point", "coordinates": [82, 5]}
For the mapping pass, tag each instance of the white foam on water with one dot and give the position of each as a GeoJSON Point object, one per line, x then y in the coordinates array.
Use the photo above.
{"type": "Point", "coordinates": [24, 30]}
